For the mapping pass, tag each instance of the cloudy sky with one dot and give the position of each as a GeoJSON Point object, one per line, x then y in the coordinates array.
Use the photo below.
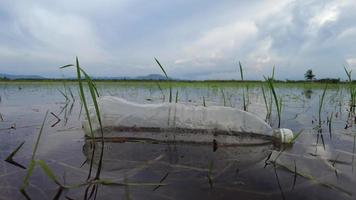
{"type": "Point", "coordinates": [193, 39]}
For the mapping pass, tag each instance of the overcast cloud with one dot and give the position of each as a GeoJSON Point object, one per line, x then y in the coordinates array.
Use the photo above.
{"type": "Point", "coordinates": [194, 39]}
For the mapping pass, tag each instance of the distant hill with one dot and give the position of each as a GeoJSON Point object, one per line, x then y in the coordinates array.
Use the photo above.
{"type": "Point", "coordinates": [148, 77]}
{"type": "Point", "coordinates": [14, 77]}
{"type": "Point", "coordinates": [151, 77]}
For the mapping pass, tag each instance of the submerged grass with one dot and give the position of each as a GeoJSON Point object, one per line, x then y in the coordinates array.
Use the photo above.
{"type": "Point", "coordinates": [32, 163]}
{"type": "Point", "coordinates": [210, 173]}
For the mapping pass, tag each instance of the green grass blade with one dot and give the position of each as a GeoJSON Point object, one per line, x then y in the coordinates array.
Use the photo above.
{"type": "Point", "coordinates": [273, 72]}
{"type": "Point", "coordinates": [170, 86]}
{"type": "Point", "coordinates": [265, 100]}
{"type": "Point", "coordinates": [94, 94]}
{"type": "Point", "coordinates": [82, 96]}
{"type": "Point", "coordinates": [39, 137]}
{"type": "Point", "coordinates": [296, 136]}
{"type": "Point", "coordinates": [321, 102]}
{"type": "Point", "coordinates": [243, 90]}
{"type": "Point", "coordinates": [270, 83]}
{"type": "Point", "coordinates": [65, 66]}
{"type": "Point", "coordinates": [48, 172]}
{"type": "Point", "coordinates": [177, 96]}
{"type": "Point", "coordinates": [164, 71]}
{"type": "Point", "coordinates": [85, 105]}
{"type": "Point", "coordinates": [26, 179]}
{"type": "Point", "coordinates": [241, 72]}
{"type": "Point", "coordinates": [32, 161]}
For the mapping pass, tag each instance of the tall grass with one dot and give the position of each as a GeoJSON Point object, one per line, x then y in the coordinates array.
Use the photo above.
{"type": "Point", "coordinates": [92, 183]}
{"type": "Point", "coordinates": [278, 102]}
{"type": "Point", "coordinates": [268, 106]}
{"type": "Point", "coordinates": [168, 79]}
{"type": "Point", "coordinates": [321, 103]}
{"type": "Point", "coordinates": [352, 92]}
{"type": "Point", "coordinates": [93, 94]}
{"type": "Point", "coordinates": [244, 95]}
{"type": "Point", "coordinates": [329, 122]}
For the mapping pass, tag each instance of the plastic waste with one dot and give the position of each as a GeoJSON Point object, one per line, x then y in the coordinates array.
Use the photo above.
{"type": "Point", "coordinates": [180, 122]}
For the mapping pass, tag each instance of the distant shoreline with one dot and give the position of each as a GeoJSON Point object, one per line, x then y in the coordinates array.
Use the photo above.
{"type": "Point", "coordinates": [321, 81]}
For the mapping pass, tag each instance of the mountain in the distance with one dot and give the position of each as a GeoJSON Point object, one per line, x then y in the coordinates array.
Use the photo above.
{"type": "Point", "coordinates": [13, 77]}
{"type": "Point", "coordinates": [151, 77]}
{"type": "Point", "coordinates": [148, 77]}
{"type": "Point", "coordinates": [36, 77]}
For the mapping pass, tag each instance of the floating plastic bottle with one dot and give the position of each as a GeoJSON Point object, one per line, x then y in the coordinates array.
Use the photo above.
{"type": "Point", "coordinates": [181, 122]}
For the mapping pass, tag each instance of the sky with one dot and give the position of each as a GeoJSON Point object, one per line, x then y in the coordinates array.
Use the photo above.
{"type": "Point", "coordinates": [193, 39]}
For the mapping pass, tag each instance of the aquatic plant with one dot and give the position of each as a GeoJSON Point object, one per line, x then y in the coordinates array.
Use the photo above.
{"type": "Point", "coordinates": [94, 94]}
{"type": "Point", "coordinates": [223, 96]}
{"type": "Point", "coordinates": [33, 162]}
{"type": "Point", "coordinates": [245, 96]}
{"type": "Point", "coordinates": [329, 123]}
{"type": "Point", "coordinates": [352, 89]}
{"type": "Point", "coordinates": [321, 103]}
{"type": "Point", "coordinates": [278, 102]}
{"type": "Point", "coordinates": [177, 96]}
{"type": "Point", "coordinates": [92, 183]}
{"type": "Point", "coordinates": [168, 79]}
{"type": "Point", "coordinates": [160, 89]}
{"type": "Point", "coordinates": [210, 174]}
{"type": "Point", "coordinates": [268, 105]}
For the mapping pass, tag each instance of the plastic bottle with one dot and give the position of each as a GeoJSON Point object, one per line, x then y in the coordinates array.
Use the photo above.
{"type": "Point", "coordinates": [180, 122]}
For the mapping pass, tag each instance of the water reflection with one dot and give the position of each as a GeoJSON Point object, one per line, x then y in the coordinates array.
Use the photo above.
{"type": "Point", "coordinates": [307, 93]}
{"type": "Point", "coordinates": [128, 156]}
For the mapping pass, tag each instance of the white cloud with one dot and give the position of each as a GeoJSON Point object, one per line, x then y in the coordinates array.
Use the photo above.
{"type": "Point", "coordinates": [351, 62]}
{"type": "Point", "coordinates": [62, 34]}
{"type": "Point", "coordinates": [194, 40]}
{"type": "Point", "coordinates": [214, 43]}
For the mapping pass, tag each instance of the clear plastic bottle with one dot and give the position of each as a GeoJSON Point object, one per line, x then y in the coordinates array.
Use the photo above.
{"type": "Point", "coordinates": [181, 122]}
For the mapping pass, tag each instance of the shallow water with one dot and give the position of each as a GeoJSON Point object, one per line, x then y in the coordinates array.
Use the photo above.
{"type": "Point", "coordinates": [315, 167]}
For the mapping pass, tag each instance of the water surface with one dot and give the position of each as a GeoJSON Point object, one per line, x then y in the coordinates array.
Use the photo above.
{"type": "Point", "coordinates": [317, 166]}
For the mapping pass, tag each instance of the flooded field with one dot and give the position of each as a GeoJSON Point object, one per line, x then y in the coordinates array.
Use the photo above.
{"type": "Point", "coordinates": [319, 165]}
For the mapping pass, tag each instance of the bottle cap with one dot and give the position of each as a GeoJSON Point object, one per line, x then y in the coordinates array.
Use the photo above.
{"type": "Point", "coordinates": [284, 135]}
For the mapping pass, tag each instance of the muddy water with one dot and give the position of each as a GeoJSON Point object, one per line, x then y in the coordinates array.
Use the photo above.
{"type": "Point", "coordinates": [315, 167]}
